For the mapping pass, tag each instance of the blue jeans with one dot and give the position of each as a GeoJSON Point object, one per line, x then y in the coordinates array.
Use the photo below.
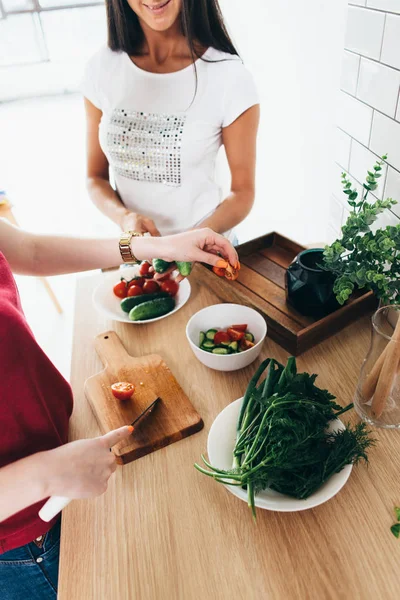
{"type": "Point", "coordinates": [31, 572]}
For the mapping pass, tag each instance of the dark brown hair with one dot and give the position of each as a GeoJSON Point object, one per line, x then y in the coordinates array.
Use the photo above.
{"type": "Point", "coordinates": [201, 21]}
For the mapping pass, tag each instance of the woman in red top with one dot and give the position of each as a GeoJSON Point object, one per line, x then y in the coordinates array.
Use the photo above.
{"type": "Point", "coordinates": [36, 402]}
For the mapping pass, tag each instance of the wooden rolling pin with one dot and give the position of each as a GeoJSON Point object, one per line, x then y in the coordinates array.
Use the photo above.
{"type": "Point", "coordinates": [388, 373]}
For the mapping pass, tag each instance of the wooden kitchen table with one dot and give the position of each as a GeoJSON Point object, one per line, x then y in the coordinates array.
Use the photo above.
{"type": "Point", "coordinates": [163, 531]}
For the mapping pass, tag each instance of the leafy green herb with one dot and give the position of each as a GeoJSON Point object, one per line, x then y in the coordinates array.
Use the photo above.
{"type": "Point", "coordinates": [361, 257]}
{"type": "Point", "coordinates": [283, 442]}
{"type": "Point", "coordinates": [395, 529]}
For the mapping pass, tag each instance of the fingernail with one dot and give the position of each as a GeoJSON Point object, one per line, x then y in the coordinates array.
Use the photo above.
{"type": "Point", "coordinates": [130, 428]}
{"type": "Point", "coordinates": [222, 264]}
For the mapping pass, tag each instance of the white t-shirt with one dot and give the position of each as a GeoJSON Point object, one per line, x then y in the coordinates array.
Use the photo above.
{"type": "Point", "coordinates": [161, 136]}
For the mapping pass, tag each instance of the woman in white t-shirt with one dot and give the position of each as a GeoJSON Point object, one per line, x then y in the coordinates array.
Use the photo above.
{"type": "Point", "coordinates": [160, 100]}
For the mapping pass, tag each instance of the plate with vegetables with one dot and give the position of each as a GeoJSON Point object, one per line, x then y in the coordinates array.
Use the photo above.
{"type": "Point", "coordinates": [140, 294]}
{"type": "Point", "coordinates": [282, 446]}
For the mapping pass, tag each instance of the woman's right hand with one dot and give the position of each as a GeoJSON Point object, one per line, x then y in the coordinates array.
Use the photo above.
{"type": "Point", "coordinates": [139, 223]}
{"type": "Point", "coordinates": [82, 469]}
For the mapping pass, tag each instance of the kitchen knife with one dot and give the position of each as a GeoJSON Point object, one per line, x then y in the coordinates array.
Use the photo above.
{"type": "Point", "coordinates": [56, 504]}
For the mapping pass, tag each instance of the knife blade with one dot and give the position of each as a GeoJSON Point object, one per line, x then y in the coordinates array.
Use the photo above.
{"type": "Point", "coordinates": [147, 412]}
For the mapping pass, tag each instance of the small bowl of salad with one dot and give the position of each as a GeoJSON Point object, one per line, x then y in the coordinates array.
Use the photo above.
{"type": "Point", "coordinates": [226, 337]}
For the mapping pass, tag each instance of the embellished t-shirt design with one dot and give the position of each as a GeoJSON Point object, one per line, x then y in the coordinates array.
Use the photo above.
{"type": "Point", "coordinates": [146, 146]}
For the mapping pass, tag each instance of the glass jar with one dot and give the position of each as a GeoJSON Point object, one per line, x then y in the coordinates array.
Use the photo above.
{"type": "Point", "coordinates": [377, 397]}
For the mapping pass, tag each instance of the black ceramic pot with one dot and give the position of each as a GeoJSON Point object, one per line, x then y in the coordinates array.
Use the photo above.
{"type": "Point", "coordinates": [309, 289]}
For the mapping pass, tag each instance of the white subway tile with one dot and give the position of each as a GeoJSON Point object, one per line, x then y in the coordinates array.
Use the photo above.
{"type": "Point", "coordinates": [384, 219]}
{"type": "Point", "coordinates": [392, 189]}
{"type": "Point", "coordinates": [354, 117]}
{"type": "Point", "coordinates": [342, 148]}
{"type": "Point", "coordinates": [364, 31]}
{"type": "Point", "coordinates": [391, 41]}
{"type": "Point", "coordinates": [398, 109]}
{"type": "Point", "coordinates": [348, 80]}
{"type": "Point", "coordinates": [346, 213]}
{"type": "Point", "coordinates": [389, 5]}
{"type": "Point", "coordinates": [358, 2]}
{"type": "Point", "coordinates": [333, 234]}
{"type": "Point", "coordinates": [378, 86]}
{"type": "Point", "coordinates": [385, 138]}
{"type": "Point", "coordinates": [337, 187]}
{"type": "Point", "coordinates": [363, 160]}
{"type": "Point", "coordinates": [335, 213]}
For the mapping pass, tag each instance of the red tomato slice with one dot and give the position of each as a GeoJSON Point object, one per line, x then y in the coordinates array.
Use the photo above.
{"type": "Point", "coordinates": [221, 337]}
{"type": "Point", "coordinates": [144, 268]}
{"type": "Point", "coordinates": [235, 335]}
{"type": "Point", "coordinates": [120, 289]}
{"type": "Point", "coordinates": [239, 327]}
{"type": "Point", "coordinates": [151, 287]}
{"type": "Point", "coordinates": [135, 290]}
{"type": "Point", "coordinates": [170, 286]}
{"type": "Point", "coordinates": [122, 390]}
{"type": "Point", "coordinates": [246, 344]}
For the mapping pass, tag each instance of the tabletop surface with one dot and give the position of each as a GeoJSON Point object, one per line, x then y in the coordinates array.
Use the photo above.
{"type": "Point", "coordinates": [164, 531]}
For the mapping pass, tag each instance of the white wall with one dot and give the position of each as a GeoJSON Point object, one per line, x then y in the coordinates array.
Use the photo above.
{"type": "Point", "coordinates": [369, 105]}
{"type": "Point", "coordinates": [293, 48]}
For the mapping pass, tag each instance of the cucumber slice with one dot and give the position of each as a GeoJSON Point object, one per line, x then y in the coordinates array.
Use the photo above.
{"type": "Point", "coordinates": [249, 336]}
{"type": "Point", "coordinates": [234, 346]}
{"type": "Point", "coordinates": [220, 350]}
{"type": "Point", "coordinates": [226, 344]}
{"type": "Point", "coordinates": [210, 334]}
{"type": "Point", "coordinates": [202, 337]}
{"type": "Point", "coordinates": [208, 345]}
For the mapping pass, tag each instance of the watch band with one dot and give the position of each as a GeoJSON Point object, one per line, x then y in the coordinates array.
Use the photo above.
{"type": "Point", "coordinates": [125, 246]}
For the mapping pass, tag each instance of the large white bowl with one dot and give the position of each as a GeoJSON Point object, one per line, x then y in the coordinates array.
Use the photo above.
{"type": "Point", "coordinates": [221, 441]}
{"type": "Point", "coordinates": [221, 316]}
{"type": "Point", "coordinates": [110, 306]}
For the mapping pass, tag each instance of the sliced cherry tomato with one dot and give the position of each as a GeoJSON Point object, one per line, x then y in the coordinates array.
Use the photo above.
{"type": "Point", "coordinates": [135, 290]}
{"type": "Point", "coordinates": [245, 344]}
{"type": "Point", "coordinates": [144, 268]}
{"type": "Point", "coordinates": [239, 327]}
{"type": "Point", "coordinates": [150, 287]}
{"type": "Point", "coordinates": [218, 271]}
{"type": "Point", "coordinates": [231, 273]}
{"type": "Point", "coordinates": [136, 281]}
{"type": "Point", "coordinates": [235, 335]}
{"type": "Point", "coordinates": [170, 286]}
{"type": "Point", "coordinates": [221, 337]}
{"type": "Point", "coordinates": [122, 390]}
{"type": "Point", "coordinates": [121, 289]}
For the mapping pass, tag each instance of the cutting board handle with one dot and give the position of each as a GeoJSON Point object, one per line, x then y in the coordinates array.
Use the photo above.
{"type": "Point", "coordinates": [110, 349]}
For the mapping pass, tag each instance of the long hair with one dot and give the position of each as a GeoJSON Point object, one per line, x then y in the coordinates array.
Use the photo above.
{"type": "Point", "coordinates": [201, 22]}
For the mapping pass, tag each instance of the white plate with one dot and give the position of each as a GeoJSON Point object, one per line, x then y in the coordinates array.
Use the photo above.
{"type": "Point", "coordinates": [221, 441]}
{"type": "Point", "coordinates": [109, 305]}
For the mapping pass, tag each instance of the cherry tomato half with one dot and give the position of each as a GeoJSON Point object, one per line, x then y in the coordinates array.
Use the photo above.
{"type": "Point", "coordinates": [144, 268]}
{"type": "Point", "coordinates": [231, 274]}
{"type": "Point", "coordinates": [136, 281]}
{"type": "Point", "coordinates": [135, 290]}
{"type": "Point", "coordinates": [239, 327]}
{"type": "Point", "coordinates": [150, 287]}
{"type": "Point", "coordinates": [120, 289]}
{"type": "Point", "coordinates": [218, 271]}
{"type": "Point", "coordinates": [221, 337]}
{"type": "Point", "coordinates": [170, 286]}
{"type": "Point", "coordinates": [122, 390]}
{"type": "Point", "coordinates": [235, 335]}
{"type": "Point", "coordinates": [246, 344]}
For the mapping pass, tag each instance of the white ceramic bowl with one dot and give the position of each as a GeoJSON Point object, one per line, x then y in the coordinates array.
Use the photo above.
{"type": "Point", "coordinates": [221, 316]}
{"type": "Point", "coordinates": [110, 306]}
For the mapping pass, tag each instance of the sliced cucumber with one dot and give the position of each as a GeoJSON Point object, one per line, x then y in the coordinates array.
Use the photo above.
{"type": "Point", "coordinates": [234, 346]}
{"type": "Point", "coordinates": [226, 344]}
{"type": "Point", "coordinates": [220, 350]}
{"type": "Point", "coordinates": [249, 336]}
{"type": "Point", "coordinates": [202, 337]}
{"type": "Point", "coordinates": [210, 334]}
{"type": "Point", "coordinates": [208, 345]}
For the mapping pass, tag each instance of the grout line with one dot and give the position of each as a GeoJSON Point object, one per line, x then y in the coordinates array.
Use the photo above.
{"type": "Point", "coordinates": [372, 9]}
{"type": "Point", "coordinates": [370, 131]}
{"type": "Point", "coordinates": [358, 74]}
{"type": "Point", "coordinates": [370, 106]}
{"type": "Point", "coordinates": [397, 105]}
{"type": "Point", "coordinates": [366, 147]}
{"type": "Point", "coordinates": [383, 37]}
{"type": "Point", "coordinates": [375, 60]}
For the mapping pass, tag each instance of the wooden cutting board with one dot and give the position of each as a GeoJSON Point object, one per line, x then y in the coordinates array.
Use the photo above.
{"type": "Point", "coordinates": [173, 419]}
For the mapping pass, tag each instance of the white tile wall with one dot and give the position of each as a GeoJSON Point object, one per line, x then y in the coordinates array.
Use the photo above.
{"type": "Point", "coordinates": [361, 161]}
{"type": "Point", "coordinates": [342, 149]}
{"type": "Point", "coordinates": [364, 31]}
{"type": "Point", "coordinates": [389, 5]}
{"type": "Point", "coordinates": [392, 189]}
{"type": "Point", "coordinates": [358, 2]}
{"type": "Point", "coordinates": [385, 138]}
{"type": "Point", "coordinates": [378, 86]}
{"type": "Point", "coordinates": [390, 48]}
{"type": "Point", "coordinates": [355, 118]}
{"type": "Point", "coordinates": [336, 214]}
{"type": "Point", "coordinates": [349, 76]}
{"type": "Point", "coordinates": [398, 109]}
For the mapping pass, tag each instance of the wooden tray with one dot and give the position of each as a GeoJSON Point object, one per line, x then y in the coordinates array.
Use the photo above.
{"type": "Point", "coordinates": [261, 285]}
{"type": "Point", "coordinates": [173, 419]}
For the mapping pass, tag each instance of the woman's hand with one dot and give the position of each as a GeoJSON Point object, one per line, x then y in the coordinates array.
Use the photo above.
{"type": "Point", "coordinates": [82, 469]}
{"type": "Point", "coordinates": [200, 245]}
{"type": "Point", "coordinates": [135, 222]}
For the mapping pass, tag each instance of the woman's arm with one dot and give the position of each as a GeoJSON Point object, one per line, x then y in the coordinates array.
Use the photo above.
{"type": "Point", "coordinates": [239, 140]}
{"type": "Point", "coordinates": [98, 184]}
{"type": "Point", "coordinates": [33, 254]}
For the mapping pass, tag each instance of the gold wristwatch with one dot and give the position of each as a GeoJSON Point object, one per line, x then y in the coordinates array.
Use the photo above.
{"type": "Point", "coordinates": [125, 246]}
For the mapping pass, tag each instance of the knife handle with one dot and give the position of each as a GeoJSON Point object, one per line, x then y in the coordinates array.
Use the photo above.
{"type": "Point", "coordinates": [53, 506]}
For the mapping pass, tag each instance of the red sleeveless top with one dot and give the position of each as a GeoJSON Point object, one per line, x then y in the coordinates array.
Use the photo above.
{"type": "Point", "coordinates": [35, 405]}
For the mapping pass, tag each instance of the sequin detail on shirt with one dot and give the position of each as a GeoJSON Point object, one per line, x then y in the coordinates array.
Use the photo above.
{"type": "Point", "coordinates": [146, 146]}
